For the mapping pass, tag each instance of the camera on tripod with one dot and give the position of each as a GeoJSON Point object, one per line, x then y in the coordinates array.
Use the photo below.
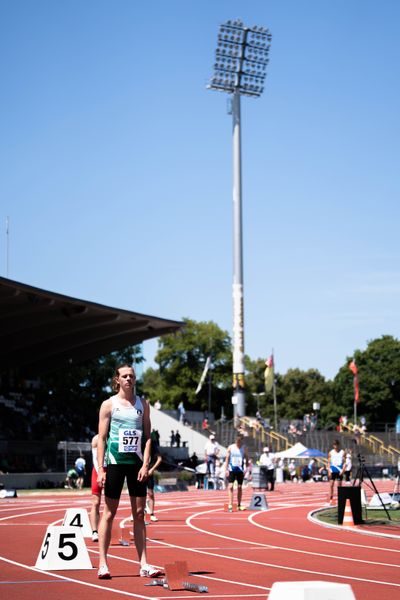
{"type": "Point", "coordinates": [361, 458]}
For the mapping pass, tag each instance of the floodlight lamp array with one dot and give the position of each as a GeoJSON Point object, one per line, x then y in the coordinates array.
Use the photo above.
{"type": "Point", "coordinates": [241, 59]}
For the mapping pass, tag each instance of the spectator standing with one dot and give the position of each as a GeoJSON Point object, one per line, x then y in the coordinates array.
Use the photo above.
{"type": "Point", "coordinates": [155, 436]}
{"type": "Point", "coordinates": [182, 411]}
{"type": "Point", "coordinates": [211, 452]}
{"type": "Point", "coordinates": [335, 466]}
{"type": "Point", "coordinates": [305, 473]}
{"type": "Point", "coordinates": [172, 438]}
{"type": "Point", "coordinates": [267, 464]}
{"type": "Point", "coordinates": [205, 424]}
{"type": "Point", "coordinates": [347, 467]}
{"type": "Point", "coordinates": [292, 471]}
{"type": "Point", "coordinates": [193, 461]}
{"type": "Point", "coordinates": [80, 468]}
{"type": "Point", "coordinates": [177, 439]}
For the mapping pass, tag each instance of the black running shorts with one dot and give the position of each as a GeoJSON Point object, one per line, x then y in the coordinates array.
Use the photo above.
{"type": "Point", "coordinates": [236, 476]}
{"type": "Point", "coordinates": [115, 477]}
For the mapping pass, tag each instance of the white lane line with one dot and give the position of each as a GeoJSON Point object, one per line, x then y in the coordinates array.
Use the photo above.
{"type": "Point", "coordinates": [207, 577]}
{"type": "Point", "coordinates": [275, 566]}
{"type": "Point", "coordinates": [28, 514]}
{"type": "Point", "coordinates": [317, 539]}
{"type": "Point", "coordinates": [72, 580]}
{"type": "Point", "coordinates": [285, 548]}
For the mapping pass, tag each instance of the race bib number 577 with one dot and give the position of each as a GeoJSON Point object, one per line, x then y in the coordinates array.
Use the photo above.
{"type": "Point", "coordinates": [129, 440]}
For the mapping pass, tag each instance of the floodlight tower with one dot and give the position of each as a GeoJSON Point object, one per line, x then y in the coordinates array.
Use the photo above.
{"type": "Point", "coordinates": [241, 60]}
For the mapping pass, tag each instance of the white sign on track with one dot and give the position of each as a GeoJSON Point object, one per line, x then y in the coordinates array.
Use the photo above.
{"type": "Point", "coordinates": [258, 502]}
{"type": "Point", "coordinates": [63, 548]}
{"type": "Point", "coordinates": [78, 517]}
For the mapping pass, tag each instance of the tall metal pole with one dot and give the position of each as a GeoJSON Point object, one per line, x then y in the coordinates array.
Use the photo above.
{"type": "Point", "coordinates": [275, 406]}
{"type": "Point", "coordinates": [241, 60]}
{"type": "Point", "coordinates": [7, 246]}
{"type": "Point", "coordinates": [239, 398]}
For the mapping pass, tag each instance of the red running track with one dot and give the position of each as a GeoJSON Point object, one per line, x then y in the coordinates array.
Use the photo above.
{"type": "Point", "coordinates": [237, 555]}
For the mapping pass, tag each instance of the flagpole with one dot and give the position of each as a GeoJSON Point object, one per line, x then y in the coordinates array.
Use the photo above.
{"type": "Point", "coordinates": [354, 370]}
{"type": "Point", "coordinates": [209, 394]}
{"type": "Point", "coordinates": [274, 394]}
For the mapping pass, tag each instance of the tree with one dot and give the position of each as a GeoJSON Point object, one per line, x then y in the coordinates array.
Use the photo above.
{"type": "Point", "coordinates": [299, 390]}
{"type": "Point", "coordinates": [72, 394]}
{"type": "Point", "coordinates": [181, 358]}
{"type": "Point", "coordinates": [255, 384]}
{"type": "Point", "coordinates": [379, 382]}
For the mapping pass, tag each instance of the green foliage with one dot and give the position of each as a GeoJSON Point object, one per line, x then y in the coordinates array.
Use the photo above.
{"type": "Point", "coordinates": [181, 358]}
{"type": "Point", "coordinates": [255, 370]}
{"type": "Point", "coordinates": [379, 382]}
{"type": "Point", "coordinates": [79, 389]}
{"type": "Point", "coordinates": [298, 390]}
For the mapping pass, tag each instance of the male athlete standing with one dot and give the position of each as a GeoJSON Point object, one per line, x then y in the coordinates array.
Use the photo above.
{"type": "Point", "coordinates": [124, 441]}
{"type": "Point", "coordinates": [235, 462]}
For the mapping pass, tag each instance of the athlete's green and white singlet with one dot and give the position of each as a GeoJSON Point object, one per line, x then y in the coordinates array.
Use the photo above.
{"type": "Point", "coordinates": [124, 443]}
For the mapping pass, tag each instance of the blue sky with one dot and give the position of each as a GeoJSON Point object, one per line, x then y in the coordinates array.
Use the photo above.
{"type": "Point", "coordinates": [117, 171]}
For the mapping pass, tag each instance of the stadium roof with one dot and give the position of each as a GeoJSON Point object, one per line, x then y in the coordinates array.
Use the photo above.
{"type": "Point", "coordinates": [41, 330]}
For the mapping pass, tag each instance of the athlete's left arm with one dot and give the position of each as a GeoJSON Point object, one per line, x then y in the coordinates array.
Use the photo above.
{"type": "Point", "coordinates": [144, 471]}
{"type": "Point", "coordinates": [156, 464]}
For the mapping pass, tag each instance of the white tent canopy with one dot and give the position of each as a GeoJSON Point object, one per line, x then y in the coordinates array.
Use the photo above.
{"type": "Point", "coordinates": [292, 452]}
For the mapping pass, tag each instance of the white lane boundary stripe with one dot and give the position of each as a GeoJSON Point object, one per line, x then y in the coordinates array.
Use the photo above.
{"type": "Point", "coordinates": [274, 566]}
{"type": "Point", "coordinates": [285, 548]}
{"type": "Point", "coordinates": [72, 580]}
{"type": "Point", "coordinates": [338, 527]}
{"type": "Point", "coordinates": [317, 539]}
{"type": "Point", "coordinates": [207, 577]}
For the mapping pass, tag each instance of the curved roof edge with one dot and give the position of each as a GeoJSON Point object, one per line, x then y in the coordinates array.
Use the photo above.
{"type": "Point", "coordinates": [40, 330]}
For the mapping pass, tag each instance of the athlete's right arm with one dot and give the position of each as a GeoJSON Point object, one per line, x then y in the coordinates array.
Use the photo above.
{"type": "Point", "coordinates": [104, 424]}
{"type": "Point", "coordinates": [228, 454]}
{"type": "Point", "coordinates": [329, 463]}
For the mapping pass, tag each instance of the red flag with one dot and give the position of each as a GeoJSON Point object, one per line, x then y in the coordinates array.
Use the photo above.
{"type": "Point", "coordinates": [354, 370]}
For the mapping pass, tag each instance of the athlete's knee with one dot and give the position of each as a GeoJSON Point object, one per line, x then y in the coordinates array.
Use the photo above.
{"type": "Point", "coordinates": [139, 514]}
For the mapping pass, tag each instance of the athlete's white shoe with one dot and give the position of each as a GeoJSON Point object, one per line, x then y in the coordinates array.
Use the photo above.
{"type": "Point", "coordinates": [150, 571]}
{"type": "Point", "coordinates": [103, 572]}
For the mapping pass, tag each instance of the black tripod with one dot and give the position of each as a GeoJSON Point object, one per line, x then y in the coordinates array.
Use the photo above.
{"type": "Point", "coordinates": [361, 472]}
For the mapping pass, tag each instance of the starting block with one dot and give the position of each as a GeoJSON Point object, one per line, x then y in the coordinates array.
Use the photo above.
{"type": "Point", "coordinates": [175, 574]}
{"type": "Point", "coordinates": [78, 517]}
{"type": "Point", "coordinates": [234, 507]}
{"type": "Point", "coordinates": [176, 578]}
{"type": "Point", "coordinates": [258, 502]}
{"type": "Point", "coordinates": [63, 548]}
{"type": "Point", "coordinates": [118, 534]}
